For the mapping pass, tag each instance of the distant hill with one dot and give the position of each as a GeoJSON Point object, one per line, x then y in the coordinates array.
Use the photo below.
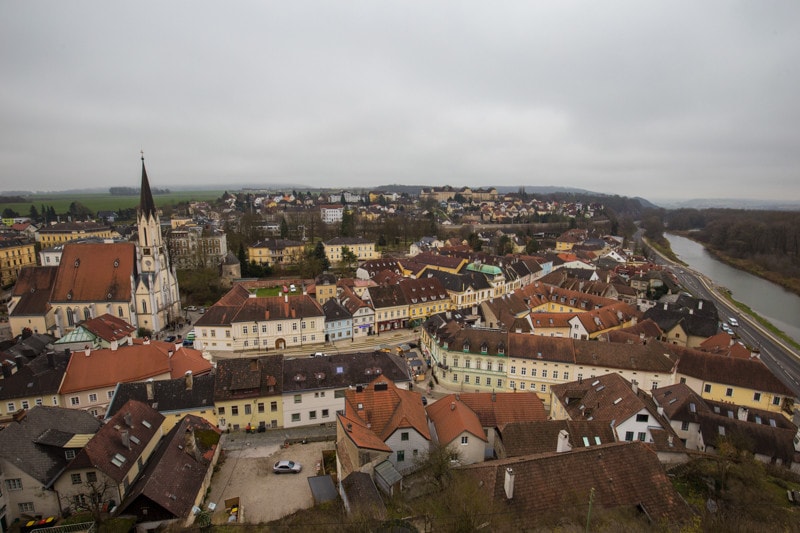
{"type": "Point", "coordinates": [731, 203]}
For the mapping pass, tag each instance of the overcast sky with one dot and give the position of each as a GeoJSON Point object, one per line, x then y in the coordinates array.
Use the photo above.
{"type": "Point", "coordinates": [655, 99]}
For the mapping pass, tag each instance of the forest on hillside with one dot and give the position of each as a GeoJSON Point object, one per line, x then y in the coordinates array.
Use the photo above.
{"type": "Point", "coordinates": [768, 239]}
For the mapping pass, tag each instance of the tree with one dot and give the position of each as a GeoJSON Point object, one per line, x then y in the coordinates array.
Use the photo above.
{"type": "Point", "coordinates": [243, 261]}
{"type": "Point", "coordinates": [505, 245]}
{"type": "Point", "coordinates": [90, 496]}
{"type": "Point", "coordinates": [436, 465]}
{"type": "Point", "coordinates": [79, 211]}
{"type": "Point", "coordinates": [33, 213]}
{"type": "Point", "coordinates": [348, 224]}
{"type": "Point", "coordinates": [9, 213]}
{"type": "Point", "coordinates": [532, 246]}
{"type": "Point", "coordinates": [349, 260]}
{"type": "Point", "coordinates": [284, 228]}
{"type": "Point", "coordinates": [319, 254]}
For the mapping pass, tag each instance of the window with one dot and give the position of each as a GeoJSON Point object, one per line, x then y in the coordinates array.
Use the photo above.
{"type": "Point", "coordinates": [325, 413]}
{"type": "Point", "coordinates": [295, 417]}
{"type": "Point", "coordinates": [312, 415]}
{"type": "Point", "coordinates": [543, 388]}
{"type": "Point", "coordinates": [221, 410]}
{"type": "Point", "coordinates": [544, 373]}
{"type": "Point", "coordinates": [75, 400]}
{"type": "Point", "coordinates": [280, 327]}
{"type": "Point", "coordinates": [683, 380]}
{"type": "Point", "coordinates": [39, 401]}
{"type": "Point", "coordinates": [404, 435]}
{"type": "Point", "coordinates": [522, 385]}
{"type": "Point", "coordinates": [566, 376]}
{"type": "Point", "coordinates": [91, 477]}
{"type": "Point", "coordinates": [466, 379]}
{"type": "Point", "coordinates": [642, 436]}
{"type": "Point", "coordinates": [298, 398]}
{"type": "Point", "coordinates": [14, 484]}
{"type": "Point", "coordinates": [247, 409]}
{"type": "Point", "coordinates": [685, 426]}
{"type": "Point", "coordinates": [499, 382]}
{"type": "Point", "coordinates": [533, 372]}
{"type": "Point", "coordinates": [756, 396]}
{"type": "Point", "coordinates": [25, 404]}
{"type": "Point", "coordinates": [555, 374]}
{"type": "Point", "coordinates": [654, 385]}
{"type": "Point", "coordinates": [260, 407]}
{"type": "Point", "coordinates": [580, 376]}
{"type": "Point", "coordinates": [464, 440]}
{"type": "Point", "coordinates": [524, 372]}
{"type": "Point", "coordinates": [776, 400]}
{"type": "Point", "coordinates": [244, 329]}
{"type": "Point", "coordinates": [76, 479]}
{"type": "Point", "coordinates": [729, 391]}
{"type": "Point", "coordinates": [234, 410]}
{"type": "Point", "coordinates": [642, 417]}
{"type": "Point", "coordinates": [513, 369]}
{"type": "Point", "coordinates": [26, 507]}
{"type": "Point", "coordinates": [512, 384]}
{"type": "Point", "coordinates": [273, 406]}
{"type": "Point", "coordinates": [455, 378]}
{"type": "Point", "coordinates": [401, 456]}
{"type": "Point", "coordinates": [11, 407]}
{"type": "Point", "coordinates": [92, 398]}
{"type": "Point", "coordinates": [707, 388]}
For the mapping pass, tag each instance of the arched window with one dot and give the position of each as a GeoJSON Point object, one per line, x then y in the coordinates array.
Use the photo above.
{"type": "Point", "coordinates": [144, 306]}
{"type": "Point", "coordinates": [70, 317]}
{"type": "Point", "coordinates": [120, 312]}
{"type": "Point", "coordinates": [86, 313]}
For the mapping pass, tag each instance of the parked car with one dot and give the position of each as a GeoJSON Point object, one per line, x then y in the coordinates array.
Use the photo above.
{"type": "Point", "coordinates": [192, 308]}
{"type": "Point", "coordinates": [318, 354]}
{"type": "Point", "coordinates": [287, 467]}
{"type": "Point", "coordinates": [424, 401]}
{"type": "Point", "coordinates": [733, 322]}
{"type": "Point", "coordinates": [170, 338]}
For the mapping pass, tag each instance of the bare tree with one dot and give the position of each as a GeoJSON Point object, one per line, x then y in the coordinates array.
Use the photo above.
{"type": "Point", "coordinates": [91, 497]}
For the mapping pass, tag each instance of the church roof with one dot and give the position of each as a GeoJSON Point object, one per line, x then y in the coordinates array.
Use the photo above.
{"type": "Point", "coordinates": [147, 206]}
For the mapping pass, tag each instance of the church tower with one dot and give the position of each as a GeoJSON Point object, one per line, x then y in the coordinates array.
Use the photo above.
{"type": "Point", "coordinates": [157, 296]}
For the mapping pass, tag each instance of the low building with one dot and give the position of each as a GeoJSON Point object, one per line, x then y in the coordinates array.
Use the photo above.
{"type": "Point", "coordinates": [14, 255]}
{"type": "Point", "coordinates": [363, 249]}
{"type": "Point", "coordinates": [192, 247]}
{"type": "Point", "coordinates": [247, 393]}
{"type": "Point", "coordinates": [276, 252]}
{"type": "Point", "coordinates": [61, 232]}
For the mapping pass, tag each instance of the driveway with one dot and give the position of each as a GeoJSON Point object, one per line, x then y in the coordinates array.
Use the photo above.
{"type": "Point", "coordinates": [247, 473]}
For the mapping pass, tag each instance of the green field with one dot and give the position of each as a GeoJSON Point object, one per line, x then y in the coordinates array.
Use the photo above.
{"type": "Point", "coordinates": [105, 201]}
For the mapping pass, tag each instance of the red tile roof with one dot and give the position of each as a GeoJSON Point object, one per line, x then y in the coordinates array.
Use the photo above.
{"type": "Point", "coordinates": [108, 327]}
{"type": "Point", "coordinates": [451, 418]}
{"type": "Point", "coordinates": [106, 368]}
{"type": "Point", "coordinates": [95, 272]}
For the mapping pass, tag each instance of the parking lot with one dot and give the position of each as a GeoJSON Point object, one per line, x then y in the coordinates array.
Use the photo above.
{"type": "Point", "coordinates": [246, 472]}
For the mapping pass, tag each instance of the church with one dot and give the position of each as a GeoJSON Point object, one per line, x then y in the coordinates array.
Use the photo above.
{"type": "Point", "coordinates": [133, 281]}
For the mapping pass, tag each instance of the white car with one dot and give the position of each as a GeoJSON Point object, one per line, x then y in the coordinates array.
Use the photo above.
{"type": "Point", "coordinates": [733, 322]}
{"type": "Point", "coordinates": [287, 467]}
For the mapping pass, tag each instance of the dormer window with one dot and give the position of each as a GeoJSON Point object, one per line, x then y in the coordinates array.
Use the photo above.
{"type": "Point", "coordinates": [484, 347]}
{"type": "Point", "coordinates": [466, 346]}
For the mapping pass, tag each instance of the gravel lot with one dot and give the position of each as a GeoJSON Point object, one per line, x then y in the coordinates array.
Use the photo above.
{"type": "Point", "coordinates": [247, 473]}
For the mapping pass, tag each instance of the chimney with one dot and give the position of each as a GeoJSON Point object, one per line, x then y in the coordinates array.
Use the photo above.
{"type": "Point", "coordinates": [286, 298]}
{"type": "Point", "coordinates": [169, 353]}
{"type": "Point", "coordinates": [114, 345]}
{"type": "Point", "coordinates": [189, 380]}
{"type": "Point", "coordinates": [20, 361]}
{"type": "Point", "coordinates": [494, 396]}
{"type": "Point", "coordinates": [128, 419]}
{"type": "Point", "coordinates": [635, 386]}
{"type": "Point", "coordinates": [7, 370]}
{"type": "Point", "coordinates": [51, 359]}
{"type": "Point", "coordinates": [151, 393]}
{"type": "Point", "coordinates": [700, 305]}
{"type": "Point", "coordinates": [665, 306]}
{"type": "Point", "coordinates": [126, 438]}
{"type": "Point", "coordinates": [87, 351]}
{"type": "Point", "coordinates": [508, 484]}
{"type": "Point", "coordinates": [563, 444]}
{"type": "Point", "coordinates": [146, 340]}
{"type": "Point", "coordinates": [742, 413]}
{"type": "Point", "coordinates": [660, 410]}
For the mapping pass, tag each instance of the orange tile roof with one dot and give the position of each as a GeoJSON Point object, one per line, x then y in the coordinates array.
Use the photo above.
{"type": "Point", "coordinates": [95, 272]}
{"type": "Point", "coordinates": [108, 327]}
{"type": "Point", "coordinates": [106, 368]}
{"type": "Point", "coordinates": [451, 418]}
{"type": "Point", "coordinates": [385, 411]}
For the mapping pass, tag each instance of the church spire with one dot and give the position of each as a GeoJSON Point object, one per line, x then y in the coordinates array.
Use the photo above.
{"type": "Point", "coordinates": [147, 207]}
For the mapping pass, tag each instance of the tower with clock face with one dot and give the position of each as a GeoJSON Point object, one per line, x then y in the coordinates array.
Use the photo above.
{"type": "Point", "coordinates": [157, 301]}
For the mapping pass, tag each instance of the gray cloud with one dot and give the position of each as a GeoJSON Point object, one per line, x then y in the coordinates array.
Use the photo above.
{"type": "Point", "coordinates": [661, 100]}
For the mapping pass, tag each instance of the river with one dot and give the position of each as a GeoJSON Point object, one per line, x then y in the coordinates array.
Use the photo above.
{"type": "Point", "coordinates": [773, 302]}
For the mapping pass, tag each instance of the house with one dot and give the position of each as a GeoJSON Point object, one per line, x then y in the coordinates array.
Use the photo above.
{"type": "Point", "coordinates": [466, 290]}
{"type": "Point", "coordinates": [363, 315]}
{"type": "Point", "coordinates": [29, 307]}
{"type": "Point", "coordinates": [35, 448]}
{"type": "Point", "coordinates": [241, 321]}
{"type": "Point", "coordinates": [104, 331]}
{"type": "Point", "coordinates": [192, 247]}
{"type": "Point", "coordinates": [425, 297]}
{"type": "Point", "coordinates": [331, 214]}
{"type": "Point", "coordinates": [92, 375]}
{"type": "Point", "coordinates": [632, 412]}
{"type": "Point", "coordinates": [28, 383]}
{"type": "Point", "coordinates": [61, 232]}
{"type": "Point", "coordinates": [325, 287]}
{"type": "Point", "coordinates": [175, 481]}
{"type": "Point", "coordinates": [475, 358]}
{"type": "Point", "coordinates": [390, 305]}
{"type": "Point", "coordinates": [276, 252]}
{"type": "Point", "coordinates": [113, 459]}
{"type": "Point", "coordinates": [173, 398]}
{"type": "Point", "coordinates": [468, 423]}
{"type": "Point", "coordinates": [618, 475]}
{"type": "Point", "coordinates": [314, 388]}
{"type": "Point", "coordinates": [338, 322]}
{"type": "Point", "coordinates": [247, 392]}
{"type": "Point", "coordinates": [363, 249]}
{"type": "Point", "coordinates": [381, 422]}
{"type": "Point", "coordinates": [745, 382]}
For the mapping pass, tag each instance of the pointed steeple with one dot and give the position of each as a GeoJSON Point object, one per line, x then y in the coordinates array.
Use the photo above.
{"type": "Point", "coordinates": [147, 207]}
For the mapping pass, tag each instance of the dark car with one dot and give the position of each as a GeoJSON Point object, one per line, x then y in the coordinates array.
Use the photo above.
{"type": "Point", "coordinates": [170, 338]}
{"type": "Point", "coordinates": [287, 467]}
{"type": "Point", "coordinates": [424, 401]}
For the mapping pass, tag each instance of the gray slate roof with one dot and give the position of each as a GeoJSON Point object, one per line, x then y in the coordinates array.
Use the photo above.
{"type": "Point", "coordinates": [26, 443]}
{"type": "Point", "coordinates": [169, 395]}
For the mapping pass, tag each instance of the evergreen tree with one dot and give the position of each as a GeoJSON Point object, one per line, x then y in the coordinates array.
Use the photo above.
{"type": "Point", "coordinates": [284, 228]}
{"type": "Point", "coordinates": [243, 261]}
{"type": "Point", "coordinates": [319, 253]}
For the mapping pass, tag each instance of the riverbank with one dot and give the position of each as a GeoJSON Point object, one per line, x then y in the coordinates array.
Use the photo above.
{"type": "Point", "coordinates": [790, 284]}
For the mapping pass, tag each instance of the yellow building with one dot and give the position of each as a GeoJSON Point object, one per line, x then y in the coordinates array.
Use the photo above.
{"type": "Point", "coordinates": [363, 249]}
{"type": "Point", "coordinates": [276, 252]}
{"type": "Point", "coordinates": [247, 393]}
{"type": "Point", "coordinates": [62, 232]}
{"type": "Point", "coordinates": [14, 255]}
